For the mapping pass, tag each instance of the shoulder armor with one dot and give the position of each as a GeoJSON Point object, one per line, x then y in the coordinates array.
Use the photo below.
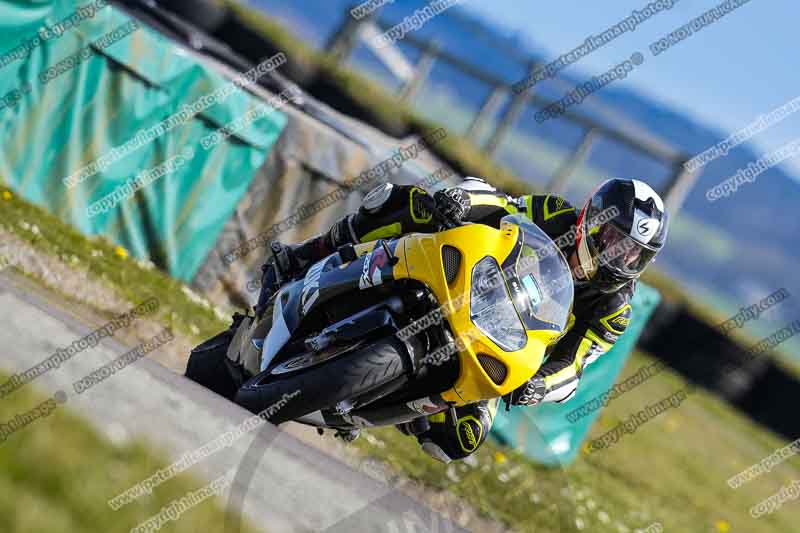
{"type": "Point", "coordinates": [554, 214]}
{"type": "Point", "coordinates": [554, 205]}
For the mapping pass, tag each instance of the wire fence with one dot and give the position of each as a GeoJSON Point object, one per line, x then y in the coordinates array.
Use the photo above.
{"type": "Point", "coordinates": [501, 123]}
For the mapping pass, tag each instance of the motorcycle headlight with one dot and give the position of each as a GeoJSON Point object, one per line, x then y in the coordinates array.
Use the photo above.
{"type": "Point", "coordinates": [491, 309]}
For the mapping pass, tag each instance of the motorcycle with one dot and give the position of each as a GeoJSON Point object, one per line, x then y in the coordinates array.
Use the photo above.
{"type": "Point", "coordinates": [392, 330]}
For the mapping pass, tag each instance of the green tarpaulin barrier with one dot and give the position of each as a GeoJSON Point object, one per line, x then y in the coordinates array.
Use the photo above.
{"type": "Point", "coordinates": [543, 432]}
{"type": "Point", "coordinates": [84, 82]}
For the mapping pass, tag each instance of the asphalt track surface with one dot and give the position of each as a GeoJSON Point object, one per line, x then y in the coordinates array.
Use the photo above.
{"type": "Point", "coordinates": [281, 483]}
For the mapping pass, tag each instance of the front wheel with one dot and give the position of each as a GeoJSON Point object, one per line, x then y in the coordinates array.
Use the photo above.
{"type": "Point", "coordinates": [290, 395]}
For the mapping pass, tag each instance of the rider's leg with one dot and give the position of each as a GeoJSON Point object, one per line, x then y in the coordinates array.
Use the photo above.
{"type": "Point", "coordinates": [386, 211]}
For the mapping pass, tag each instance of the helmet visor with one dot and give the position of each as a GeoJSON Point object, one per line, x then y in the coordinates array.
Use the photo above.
{"type": "Point", "coordinates": [618, 251]}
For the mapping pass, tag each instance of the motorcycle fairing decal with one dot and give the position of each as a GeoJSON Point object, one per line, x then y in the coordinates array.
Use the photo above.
{"type": "Point", "coordinates": [277, 336]}
{"type": "Point", "coordinates": [373, 270]}
{"type": "Point", "coordinates": [325, 283]}
{"type": "Point", "coordinates": [310, 291]}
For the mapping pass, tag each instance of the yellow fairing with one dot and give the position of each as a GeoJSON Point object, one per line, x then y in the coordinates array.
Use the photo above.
{"type": "Point", "coordinates": [421, 259]}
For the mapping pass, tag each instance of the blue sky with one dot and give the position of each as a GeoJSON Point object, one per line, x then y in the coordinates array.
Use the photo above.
{"type": "Point", "coordinates": [726, 75]}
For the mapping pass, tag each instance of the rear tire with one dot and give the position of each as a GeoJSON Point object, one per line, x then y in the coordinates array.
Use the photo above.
{"type": "Point", "coordinates": [326, 384]}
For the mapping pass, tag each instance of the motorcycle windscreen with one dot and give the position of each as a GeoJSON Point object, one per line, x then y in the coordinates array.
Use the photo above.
{"type": "Point", "coordinates": [539, 279]}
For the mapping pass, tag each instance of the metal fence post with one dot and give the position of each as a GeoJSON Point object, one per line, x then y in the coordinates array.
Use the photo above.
{"type": "Point", "coordinates": [489, 108]}
{"type": "Point", "coordinates": [344, 40]}
{"type": "Point", "coordinates": [518, 103]}
{"type": "Point", "coordinates": [515, 108]}
{"type": "Point", "coordinates": [678, 188]}
{"type": "Point", "coordinates": [421, 72]}
{"type": "Point", "coordinates": [561, 177]}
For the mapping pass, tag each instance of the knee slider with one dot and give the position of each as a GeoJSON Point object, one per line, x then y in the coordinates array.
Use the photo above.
{"type": "Point", "coordinates": [435, 451]}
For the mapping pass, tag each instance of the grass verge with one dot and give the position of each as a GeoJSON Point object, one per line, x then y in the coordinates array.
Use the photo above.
{"type": "Point", "coordinates": [673, 470]}
{"type": "Point", "coordinates": [133, 281]}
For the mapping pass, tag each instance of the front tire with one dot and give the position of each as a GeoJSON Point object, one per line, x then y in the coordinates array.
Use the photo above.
{"type": "Point", "coordinates": [324, 385]}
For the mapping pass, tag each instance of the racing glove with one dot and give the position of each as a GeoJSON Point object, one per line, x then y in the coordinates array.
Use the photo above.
{"type": "Point", "coordinates": [453, 203]}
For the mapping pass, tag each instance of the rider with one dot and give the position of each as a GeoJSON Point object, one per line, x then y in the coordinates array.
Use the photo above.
{"type": "Point", "coordinates": [622, 214]}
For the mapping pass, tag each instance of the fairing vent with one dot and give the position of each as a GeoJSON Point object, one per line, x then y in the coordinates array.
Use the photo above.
{"type": "Point", "coordinates": [496, 369]}
{"type": "Point", "coordinates": [451, 258]}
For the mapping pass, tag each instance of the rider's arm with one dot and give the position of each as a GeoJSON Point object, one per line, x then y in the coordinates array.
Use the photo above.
{"type": "Point", "coordinates": [487, 205]}
{"type": "Point", "coordinates": [386, 211]}
{"type": "Point", "coordinates": [589, 338]}
{"type": "Point", "coordinates": [392, 210]}
{"type": "Point", "coordinates": [551, 212]}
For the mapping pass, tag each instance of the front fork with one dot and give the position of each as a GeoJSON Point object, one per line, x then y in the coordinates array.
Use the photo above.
{"type": "Point", "coordinates": [276, 270]}
{"type": "Point", "coordinates": [269, 284]}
